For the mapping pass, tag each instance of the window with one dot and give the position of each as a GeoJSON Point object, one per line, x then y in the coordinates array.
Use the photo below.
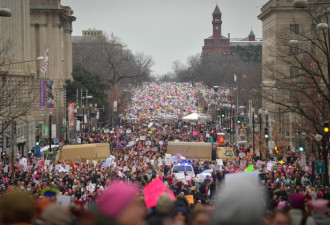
{"type": "Point", "coordinates": [313, 48]}
{"type": "Point", "coordinates": [293, 72]}
{"type": "Point", "coordinates": [294, 28]}
{"type": "Point", "coordinates": [293, 50]}
{"type": "Point", "coordinates": [229, 153]}
{"type": "Point", "coordinates": [313, 28]}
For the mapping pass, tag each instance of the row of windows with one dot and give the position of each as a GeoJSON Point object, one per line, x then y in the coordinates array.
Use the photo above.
{"type": "Point", "coordinates": [294, 28]}
{"type": "Point", "coordinates": [94, 33]}
{"type": "Point", "coordinates": [294, 49]}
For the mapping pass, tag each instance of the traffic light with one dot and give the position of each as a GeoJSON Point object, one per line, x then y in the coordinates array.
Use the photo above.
{"type": "Point", "coordinates": [238, 119]}
{"type": "Point", "coordinates": [1, 142]}
{"type": "Point", "coordinates": [326, 127]}
{"type": "Point", "coordinates": [266, 133]}
{"type": "Point", "coordinates": [276, 149]}
{"type": "Point", "coordinates": [7, 142]}
{"type": "Point", "coordinates": [301, 148]}
{"type": "Point", "coordinates": [222, 113]}
{"type": "Point", "coordinates": [32, 152]}
{"type": "Point", "coordinates": [218, 110]}
{"type": "Point", "coordinates": [37, 141]}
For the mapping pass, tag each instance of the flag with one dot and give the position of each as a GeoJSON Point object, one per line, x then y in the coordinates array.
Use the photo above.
{"type": "Point", "coordinates": [112, 37]}
{"type": "Point", "coordinates": [235, 77]}
{"type": "Point", "coordinates": [313, 65]}
{"type": "Point", "coordinates": [44, 67]}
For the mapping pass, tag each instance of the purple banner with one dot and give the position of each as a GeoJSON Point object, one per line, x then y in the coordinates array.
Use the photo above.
{"type": "Point", "coordinates": [50, 97]}
{"type": "Point", "coordinates": [42, 93]}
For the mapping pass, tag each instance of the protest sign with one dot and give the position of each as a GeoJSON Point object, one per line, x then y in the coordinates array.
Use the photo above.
{"type": "Point", "coordinates": [249, 169]}
{"type": "Point", "coordinates": [168, 159]}
{"type": "Point", "coordinates": [190, 199]}
{"type": "Point", "coordinates": [269, 166]}
{"type": "Point", "coordinates": [153, 190]}
{"type": "Point", "coordinates": [219, 162]}
{"type": "Point", "coordinates": [63, 200]}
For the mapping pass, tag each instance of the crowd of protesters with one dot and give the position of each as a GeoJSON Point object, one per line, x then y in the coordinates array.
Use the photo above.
{"type": "Point", "coordinates": [112, 192]}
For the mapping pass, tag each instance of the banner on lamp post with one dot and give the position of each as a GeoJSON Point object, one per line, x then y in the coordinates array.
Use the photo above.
{"type": "Point", "coordinates": [53, 130]}
{"type": "Point", "coordinates": [42, 93]}
{"type": "Point", "coordinates": [115, 103]}
{"type": "Point", "coordinates": [71, 113]}
{"type": "Point", "coordinates": [45, 130]}
{"type": "Point", "coordinates": [50, 97]}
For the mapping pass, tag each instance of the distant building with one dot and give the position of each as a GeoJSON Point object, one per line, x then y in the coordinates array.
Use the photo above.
{"type": "Point", "coordinates": [93, 32]}
{"type": "Point", "coordinates": [219, 44]}
{"type": "Point", "coordinates": [249, 40]}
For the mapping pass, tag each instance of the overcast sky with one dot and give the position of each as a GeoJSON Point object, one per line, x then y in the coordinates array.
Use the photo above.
{"type": "Point", "coordinates": [167, 30]}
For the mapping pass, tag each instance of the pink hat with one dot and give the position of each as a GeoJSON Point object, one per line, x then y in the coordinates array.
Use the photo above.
{"type": "Point", "coordinates": [281, 205]}
{"type": "Point", "coordinates": [116, 198]}
{"type": "Point", "coordinates": [320, 206]}
{"type": "Point", "coordinates": [298, 201]}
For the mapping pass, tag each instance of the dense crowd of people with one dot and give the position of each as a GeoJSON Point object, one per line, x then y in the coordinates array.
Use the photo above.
{"type": "Point", "coordinates": [113, 191]}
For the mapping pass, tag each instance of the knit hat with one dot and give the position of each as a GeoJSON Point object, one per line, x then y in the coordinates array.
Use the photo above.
{"type": "Point", "coordinates": [297, 201]}
{"type": "Point", "coordinates": [16, 207]}
{"type": "Point", "coordinates": [116, 198]}
{"type": "Point", "coordinates": [240, 212]}
{"type": "Point", "coordinates": [57, 214]}
{"type": "Point", "coordinates": [320, 206]}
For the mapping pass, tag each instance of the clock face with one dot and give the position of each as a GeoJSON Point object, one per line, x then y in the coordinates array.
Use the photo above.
{"type": "Point", "coordinates": [217, 27]}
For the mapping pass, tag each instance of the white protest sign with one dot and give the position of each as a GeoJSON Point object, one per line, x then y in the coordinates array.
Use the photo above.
{"type": "Point", "coordinates": [269, 166]}
{"type": "Point", "coordinates": [219, 162]}
{"type": "Point", "coordinates": [63, 200]}
{"type": "Point", "coordinates": [174, 159]}
{"type": "Point", "coordinates": [161, 142]}
{"type": "Point", "coordinates": [168, 159]}
{"type": "Point", "coordinates": [128, 131]}
{"type": "Point", "coordinates": [142, 138]}
{"type": "Point", "coordinates": [134, 169]}
{"type": "Point", "coordinates": [148, 143]}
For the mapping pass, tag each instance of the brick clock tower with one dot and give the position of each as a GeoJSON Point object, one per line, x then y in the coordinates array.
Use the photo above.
{"type": "Point", "coordinates": [216, 44]}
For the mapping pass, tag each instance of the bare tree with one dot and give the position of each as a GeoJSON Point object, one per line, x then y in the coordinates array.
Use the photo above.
{"type": "Point", "coordinates": [301, 76]}
{"type": "Point", "coordinates": [17, 94]}
{"type": "Point", "coordinates": [220, 70]}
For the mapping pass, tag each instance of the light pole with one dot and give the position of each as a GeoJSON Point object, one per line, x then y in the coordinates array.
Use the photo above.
{"type": "Point", "coordinates": [253, 122]}
{"type": "Point", "coordinates": [260, 131]}
{"type": "Point", "coordinates": [50, 130]}
{"type": "Point", "coordinates": [5, 12]}
{"type": "Point", "coordinates": [39, 58]}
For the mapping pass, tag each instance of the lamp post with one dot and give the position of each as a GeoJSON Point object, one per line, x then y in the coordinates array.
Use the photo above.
{"type": "Point", "coordinates": [50, 130]}
{"type": "Point", "coordinates": [5, 12]}
{"type": "Point", "coordinates": [83, 123]}
{"type": "Point", "coordinates": [39, 58]}
{"type": "Point", "coordinates": [260, 131]}
{"type": "Point", "coordinates": [253, 123]}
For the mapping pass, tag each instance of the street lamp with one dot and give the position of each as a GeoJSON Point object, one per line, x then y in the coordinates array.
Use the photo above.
{"type": "Point", "coordinates": [253, 122]}
{"type": "Point", "coordinates": [260, 129]}
{"type": "Point", "coordinates": [50, 130]}
{"type": "Point", "coordinates": [39, 58]}
{"type": "Point", "coordinates": [5, 12]}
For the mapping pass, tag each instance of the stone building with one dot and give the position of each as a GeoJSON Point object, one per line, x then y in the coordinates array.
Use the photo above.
{"type": "Point", "coordinates": [36, 25]}
{"type": "Point", "coordinates": [283, 24]}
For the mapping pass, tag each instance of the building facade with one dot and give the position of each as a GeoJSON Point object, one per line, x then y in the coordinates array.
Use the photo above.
{"type": "Point", "coordinates": [35, 25]}
{"type": "Point", "coordinates": [219, 44]}
{"type": "Point", "coordinates": [284, 62]}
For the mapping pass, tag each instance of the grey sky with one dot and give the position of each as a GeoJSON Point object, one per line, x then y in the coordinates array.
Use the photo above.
{"type": "Point", "coordinates": [167, 30]}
